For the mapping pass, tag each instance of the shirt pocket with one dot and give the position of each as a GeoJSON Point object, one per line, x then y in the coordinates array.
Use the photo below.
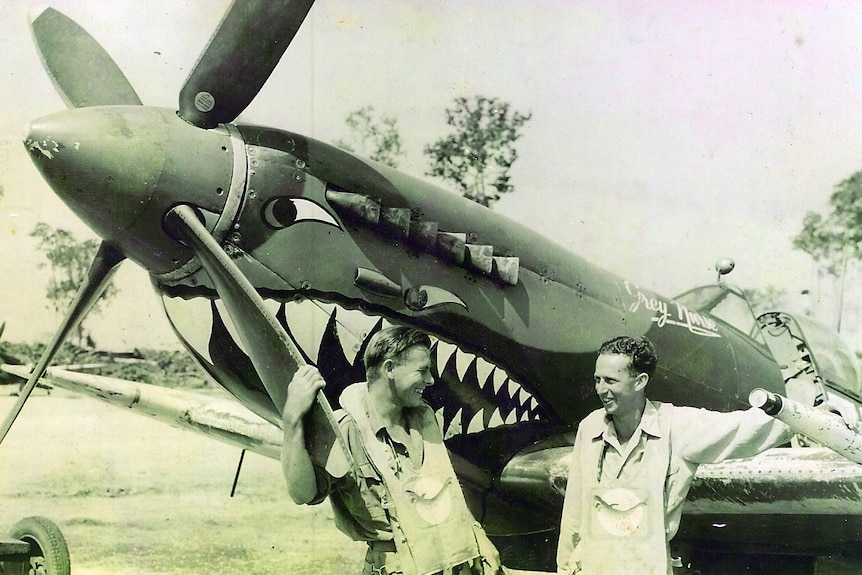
{"type": "Point", "coordinates": [373, 492]}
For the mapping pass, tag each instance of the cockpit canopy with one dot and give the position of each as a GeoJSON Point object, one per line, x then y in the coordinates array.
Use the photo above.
{"type": "Point", "coordinates": [800, 345]}
{"type": "Point", "coordinates": [836, 363]}
{"type": "Point", "coordinates": [726, 303]}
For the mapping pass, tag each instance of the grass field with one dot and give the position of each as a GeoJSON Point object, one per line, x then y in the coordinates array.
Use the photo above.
{"type": "Point", "coordinates": [134, 496]}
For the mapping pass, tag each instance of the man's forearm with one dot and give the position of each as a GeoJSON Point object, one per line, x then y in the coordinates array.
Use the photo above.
{"type": "Point", "coordinates": [296, 464]}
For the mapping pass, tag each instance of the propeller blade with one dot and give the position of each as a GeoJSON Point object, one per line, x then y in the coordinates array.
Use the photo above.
{"type": "Point", "coordinates": [239, 58]}
{"type": "Point", "coordinates": [101, 271]}
{"type": "Point", "coordinates": [81, 70]}
{"type": "Point", "coordinates": [273, 354]}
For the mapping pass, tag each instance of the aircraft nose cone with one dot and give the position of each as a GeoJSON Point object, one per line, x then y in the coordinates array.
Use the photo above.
{"type": "Point", "coordinates": [104, 163]}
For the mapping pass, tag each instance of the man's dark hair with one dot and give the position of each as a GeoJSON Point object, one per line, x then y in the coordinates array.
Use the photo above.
{"type": "Point", "coordinates": [391, 343]}
{"type": "Point", "coordinates": [639, 350]}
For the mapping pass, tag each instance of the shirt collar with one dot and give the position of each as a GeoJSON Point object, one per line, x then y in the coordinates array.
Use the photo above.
{"type": "Point", "coordinates": [377, 422]}
{"type": "Point", "coordinates": [649, 424]}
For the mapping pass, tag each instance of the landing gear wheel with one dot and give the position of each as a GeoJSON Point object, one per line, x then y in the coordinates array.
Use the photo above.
{"type": "Point", "coordinates": [49, 554]}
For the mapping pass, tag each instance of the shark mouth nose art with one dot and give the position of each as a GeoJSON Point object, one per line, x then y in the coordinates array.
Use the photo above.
{"type": "Point", "coordinates": [469, 394]}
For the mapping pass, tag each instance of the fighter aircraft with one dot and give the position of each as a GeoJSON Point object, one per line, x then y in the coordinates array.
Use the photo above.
{"type": "Point", "coordinates": [270, 249]}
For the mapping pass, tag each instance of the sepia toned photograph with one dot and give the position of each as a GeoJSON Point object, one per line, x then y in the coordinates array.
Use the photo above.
{"type": "Point", "coordinates": [419, 288]}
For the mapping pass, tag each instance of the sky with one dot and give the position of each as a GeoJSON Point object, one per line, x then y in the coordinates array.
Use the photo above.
{"type": "Point", "coordinates": [665, 135]}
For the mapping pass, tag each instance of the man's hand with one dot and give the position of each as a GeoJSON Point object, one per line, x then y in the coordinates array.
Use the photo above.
{"type": "Point", "coordinates": [488, 553]}
{"type": "Point", "coordinates": [301, 393]}
{"type": "Point", "coordinates": [847, 412]}
{"type": "Point", "coordinates": [573, 565]}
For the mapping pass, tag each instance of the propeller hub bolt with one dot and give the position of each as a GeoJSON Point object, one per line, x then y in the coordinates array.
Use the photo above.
{"type": "Point", "coordinates": [204, 101]}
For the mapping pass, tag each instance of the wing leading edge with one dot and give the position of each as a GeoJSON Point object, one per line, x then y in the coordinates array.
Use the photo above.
{"type": "Point", "coordinates": [220, 418]}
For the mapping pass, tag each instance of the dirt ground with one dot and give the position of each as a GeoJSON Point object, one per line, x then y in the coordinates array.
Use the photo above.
{"type": "Point", "coordinates": [134, 496]}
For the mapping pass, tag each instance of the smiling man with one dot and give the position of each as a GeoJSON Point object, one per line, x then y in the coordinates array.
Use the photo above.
{"type": "Point", "coordinates": [633, 463]}
{"type": "Point", "coordinates": [399, 494]}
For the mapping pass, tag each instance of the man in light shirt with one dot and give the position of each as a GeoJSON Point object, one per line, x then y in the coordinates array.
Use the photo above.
{"type": "Point", "coordinates": [633, 462]}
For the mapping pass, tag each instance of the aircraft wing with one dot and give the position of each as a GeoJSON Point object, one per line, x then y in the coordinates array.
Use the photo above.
{"type": "Point", "coordinates": [782, 481]}
{"type": "Point", "coordinates": [221, 418]}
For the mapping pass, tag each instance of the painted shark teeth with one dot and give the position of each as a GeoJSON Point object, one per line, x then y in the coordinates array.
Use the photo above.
{"type": "Point", "coordinates": [471, 395]}
{"type": "Point", "coordinates": [486, 396]}
{"type": "Point", "coordinates": [496, 399]}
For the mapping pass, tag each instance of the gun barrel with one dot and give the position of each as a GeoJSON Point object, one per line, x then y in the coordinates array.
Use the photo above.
{"type": "Point", "coordinates": [825, 428]}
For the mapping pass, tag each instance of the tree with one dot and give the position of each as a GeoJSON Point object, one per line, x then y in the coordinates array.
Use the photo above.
{"type": "Point", "coordinates": [833, 240]}
{"type": "Point", "coordinates": [770, 298]}
{"type": "Point", "coordinates": [69, 261]}
{"type": "Point", "coordinates": [479, 154]}
{"type": "Point", "coordinates": [375, 137]}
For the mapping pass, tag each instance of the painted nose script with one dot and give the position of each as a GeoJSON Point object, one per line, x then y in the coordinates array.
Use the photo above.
{"type": "Point", "coordinates": [672, 313]}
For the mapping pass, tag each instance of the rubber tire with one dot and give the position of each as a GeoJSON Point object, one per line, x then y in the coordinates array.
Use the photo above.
{"type": "Point", "coordinates": [49, 554]}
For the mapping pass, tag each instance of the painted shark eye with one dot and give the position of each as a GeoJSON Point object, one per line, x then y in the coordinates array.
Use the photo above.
{"type": "Point", "coordinates": [282, 212]}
